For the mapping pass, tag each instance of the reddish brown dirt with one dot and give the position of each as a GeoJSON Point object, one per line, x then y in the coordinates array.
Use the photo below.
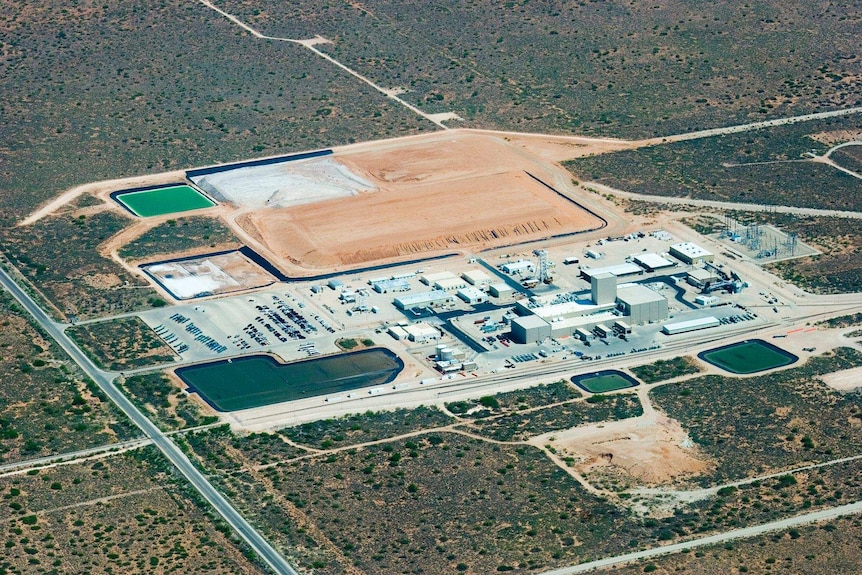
{"type": "Point", "coordinates": [650, 452]}
{"type": "Point", "coordinates": [464, 192]}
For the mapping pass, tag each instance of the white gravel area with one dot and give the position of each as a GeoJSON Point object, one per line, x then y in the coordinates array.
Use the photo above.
{"type": "Point", "coordinates": [285, 184]}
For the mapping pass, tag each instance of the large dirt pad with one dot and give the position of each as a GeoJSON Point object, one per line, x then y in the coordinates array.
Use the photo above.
{"type": "Point", "coordinates": [651, 451]}
{"type": "Point", "coordinates": [461, 191]}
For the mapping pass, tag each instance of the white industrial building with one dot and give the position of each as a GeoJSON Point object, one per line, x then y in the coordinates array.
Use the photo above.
{"type": "Point", "coordinates": [434, 298]}
{"type": "Point", "coordinates": [517, 267]}
{"type": "Point", "coordinates": [388, 285]}
{"type": "Point", "coordinates": [622, 327]}
{"type": "Point", "coordinates": [450, 284]}
{"type": "Point", "coordinates": [652, 262]}
{"type": "Point", "coordinates": [701, 277]}
{"type": "Point", "coordinates": [603, 288]}
{"type": "Point", "coordinates": [530, 329]}
{"type": "Point", "coordinates": [501, 289]}
{"type": "Point", "coordinates": [690, 253]}
{"type": "Point", "coordinates": [421, 332]}
{"type": "Point", "coordinates": [706, 300]}
{"type": "Point", "coordinates": [431, 279]}
{"type": "Point", "coordinates": [641, 304]}
{"type": "Point", "coordinates": [619, 270]}
{"type": "Point", "coordinates": [476, 278]}
{"type": "Point", "coordinates": [472, 295]}
{"type": "Point", "coordinates": [398, 332]}
{"type": "Point", "coordinates": [691, 325]}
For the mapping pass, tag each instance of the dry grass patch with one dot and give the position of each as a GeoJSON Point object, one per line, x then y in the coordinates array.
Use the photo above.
{"type": "Point", "coordinates": [119, 344]}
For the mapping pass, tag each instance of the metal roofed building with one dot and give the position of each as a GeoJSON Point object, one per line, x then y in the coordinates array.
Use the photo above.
{"type": "Point", "coordinates": [530, 329]}
{"type": "Point", "coordinates": [397, 332]}
{"type": "Point", "coordinates": [424, 299]}
{"type": "Point", "coordinates": [567, 309]}
{"type": "Point", "coordinates": [690, 253]}
{"type": "Point", "coordinates": [421, 332]}
{"type": "Point", "coordinates": [450, 284]}
{"type": "Point", "coordinates": [619, 270]}
{"type": "Point", "coordinates": [384, 286]}
{"type": "Point", "coordinates": [501, 290]}
{"type": "Point", "coordinates": [641, 304]}
{"type": "Point", "coordinates": [562, 327]}
{"type": "Point", "coordinates": [651, 262]}
{"type": "Point", "coordinates": [472, 295]}
{"type": "Point", "coordinates": [476, 277]}
{"type": "Point", "coordinates": [519, 266]}
{"type": "Point", "coordinates": [691, 325]}
{"type": "Point", "coordinates": [430, 279]}
{"type": "Point", "coordinates": [701, 277]}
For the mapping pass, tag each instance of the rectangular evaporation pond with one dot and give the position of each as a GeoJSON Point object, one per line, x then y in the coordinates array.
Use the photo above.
{"type": "Point", "coordinates": [160, 201]}
{"type": "Point", "coordinates": [604, 381]}
{"type": "Point", "coordinates": [747, 357]}
{"type": "Point", "coordinates": [255, 381]}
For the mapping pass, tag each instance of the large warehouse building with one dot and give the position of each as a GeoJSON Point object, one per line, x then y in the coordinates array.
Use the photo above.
{"type": "Point", "coordinates": [641, 304]}
{"type": "Point", "coordinates": [530, 328]}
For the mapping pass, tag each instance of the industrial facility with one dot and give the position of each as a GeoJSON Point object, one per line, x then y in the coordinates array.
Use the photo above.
{"type": "Point", "coordinates": [570, 314]}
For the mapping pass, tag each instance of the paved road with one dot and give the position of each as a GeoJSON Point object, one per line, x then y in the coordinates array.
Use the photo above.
{"type": "Point", "coordinates": [104, 380]}
{"type": "Point", "coordinates": [822, 515]}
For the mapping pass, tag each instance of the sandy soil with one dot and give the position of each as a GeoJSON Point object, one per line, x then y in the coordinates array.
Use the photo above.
{"type": "Point", "coordinates": [837, 136]}
{"type": "Point", "coordinates": [653, 450]}
{"type": "Point", "coordinates": [468, 192]}
{"type": "Point", "coordinates": [560, 148]}
{"type": "Point", "coordinates": [846, 380]}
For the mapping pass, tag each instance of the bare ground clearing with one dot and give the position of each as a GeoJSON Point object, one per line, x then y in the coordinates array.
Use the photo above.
{"type": "Point", "coordinates": [652, 449]}
{"type": "Point", "coordinates": [845, 380]}
{"type": "Point", "coordinates": [464, 192]}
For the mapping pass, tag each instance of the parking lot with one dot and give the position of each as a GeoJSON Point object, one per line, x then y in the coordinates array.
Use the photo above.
{"type": "Point", "coordinates": [271, 320]}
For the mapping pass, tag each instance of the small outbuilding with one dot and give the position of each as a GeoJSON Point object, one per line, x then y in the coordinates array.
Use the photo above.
{"type": "Point", "coordinates": [472, 295]}
{"type": "Point", "coordinates": [691, 254]}
{"type": "Point", "coordinates": [501, 290]}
